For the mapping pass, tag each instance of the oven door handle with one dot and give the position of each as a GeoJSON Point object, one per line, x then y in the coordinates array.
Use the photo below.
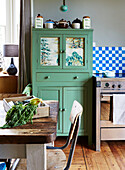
{"type": "Point", "coordinates": [106, 95]}
{"type": "Point", "coordinates": [111, 94]}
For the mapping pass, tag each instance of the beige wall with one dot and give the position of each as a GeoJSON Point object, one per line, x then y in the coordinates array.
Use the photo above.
{"type": "Point", "coordinates": [108, 17]}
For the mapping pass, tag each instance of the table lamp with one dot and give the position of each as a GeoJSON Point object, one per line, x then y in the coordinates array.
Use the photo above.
{"type": "Point", "coordinates": [11, 50]}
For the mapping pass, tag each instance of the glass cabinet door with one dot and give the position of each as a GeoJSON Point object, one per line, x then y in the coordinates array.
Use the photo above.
{"type": "Point", "coordinates": [49, 51]}
{"type": "Point", "coordinates": [50, 48]}
{"type": "Point", "coordinates": [75, 52]}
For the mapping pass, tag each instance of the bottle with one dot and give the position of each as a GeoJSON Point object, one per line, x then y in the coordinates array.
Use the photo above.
{"type": "Point", "coordinates": [39, 21]}
{"type": "Point", "coordinates": [86, 22]}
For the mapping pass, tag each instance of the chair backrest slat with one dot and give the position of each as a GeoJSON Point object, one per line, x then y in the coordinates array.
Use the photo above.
{"type": "Point", "coordinates": [73, 126]}
{"type": "Point", "coordinates": [76, 110]}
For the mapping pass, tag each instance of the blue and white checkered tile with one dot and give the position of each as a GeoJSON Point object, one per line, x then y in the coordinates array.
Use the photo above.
{"type": "Point", "coordinates": [109, 58]}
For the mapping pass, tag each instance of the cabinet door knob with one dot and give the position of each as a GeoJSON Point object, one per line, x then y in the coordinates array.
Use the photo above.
{"type": "Point", "coordinates": [47, 77]}
{"type": "Point", "coordinates": [60, 109]}
{"type": "Point", "coordinates": [64, 51]}
{"type": "Point", "coordinates": [63, 109]}
{"type": "Point", "coordinates": [61, 51]}
{"type": "Point", "coordinates": [76, 77]}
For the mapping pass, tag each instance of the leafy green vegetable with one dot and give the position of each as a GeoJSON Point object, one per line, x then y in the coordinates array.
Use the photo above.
{"type": "Point", "coordinates": [20, 115]}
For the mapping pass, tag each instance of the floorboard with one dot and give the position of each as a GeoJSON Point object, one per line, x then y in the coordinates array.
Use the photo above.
{"type": "Point", "coordinates": [118, 154]}
{"type": "Point", "coordinates": [111, 156]}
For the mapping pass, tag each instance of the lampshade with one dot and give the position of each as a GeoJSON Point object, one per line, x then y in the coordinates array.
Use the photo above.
{"type": "Point", "coordinates": [10, 50]}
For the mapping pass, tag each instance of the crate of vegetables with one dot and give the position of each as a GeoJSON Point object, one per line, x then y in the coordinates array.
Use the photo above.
{"type": "Point", "coordinates": [42, 109]}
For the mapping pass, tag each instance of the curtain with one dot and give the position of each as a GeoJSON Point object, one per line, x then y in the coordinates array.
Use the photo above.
{"type": "Point", "coordinates": [24, 45]}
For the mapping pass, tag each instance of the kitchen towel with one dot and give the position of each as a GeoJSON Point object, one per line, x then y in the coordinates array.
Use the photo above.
{"type": "Point", "coordinates": [119, 109]}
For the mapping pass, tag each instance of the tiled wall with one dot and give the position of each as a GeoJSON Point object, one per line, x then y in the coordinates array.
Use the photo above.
{"type": "Point", "coordinates": [109, 58]}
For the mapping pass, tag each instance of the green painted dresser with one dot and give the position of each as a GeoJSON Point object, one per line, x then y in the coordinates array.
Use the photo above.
{"type": "Point", "coordinates": [62, 70]}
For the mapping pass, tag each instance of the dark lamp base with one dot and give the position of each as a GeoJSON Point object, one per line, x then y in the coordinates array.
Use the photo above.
{"type": "Point", "coordinates": [12, 70]}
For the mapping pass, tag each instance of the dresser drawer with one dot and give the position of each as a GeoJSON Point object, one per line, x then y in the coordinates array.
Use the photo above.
{"type": "Point", "coordinates": [61, 77]}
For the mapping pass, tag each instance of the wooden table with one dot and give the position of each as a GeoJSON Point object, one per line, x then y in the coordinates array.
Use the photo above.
{"type": "Point", "coordinates": [29, 141]}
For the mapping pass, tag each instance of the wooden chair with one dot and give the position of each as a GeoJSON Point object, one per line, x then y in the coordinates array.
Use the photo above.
{"type": "Point", "coordinates": [56, 158]}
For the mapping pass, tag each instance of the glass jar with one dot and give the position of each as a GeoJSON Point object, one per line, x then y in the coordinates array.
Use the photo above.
{"type": "Point", "coordinates": [39, 21]}
{"type": "Point", "coordinates": [86, 22]}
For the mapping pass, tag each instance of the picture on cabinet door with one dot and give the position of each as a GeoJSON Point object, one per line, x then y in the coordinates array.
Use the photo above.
{"type": "Point", "coordinates": [75, 48]}
{"type": "Point", "coordinates": [49, 51]}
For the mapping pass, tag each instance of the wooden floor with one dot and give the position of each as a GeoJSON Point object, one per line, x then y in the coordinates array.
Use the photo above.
{"type": "Point", "coordinates": [112, 155]}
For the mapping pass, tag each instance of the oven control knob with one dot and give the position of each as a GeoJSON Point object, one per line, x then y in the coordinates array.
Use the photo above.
{"type": "Point", "coordinates": [113, 86]}
{"type": "Point", "coordinates": [119, 86]}
{"type": "Point", "coordinates": [106, 84]}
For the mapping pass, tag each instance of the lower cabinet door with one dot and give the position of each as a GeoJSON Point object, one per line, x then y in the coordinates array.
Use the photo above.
{"type": "Point", "coordinates": [69, 95]}
{"type": "Point", "coordinates": [66, 96]}
{"type": "Point", "coordinates": [53, 93]}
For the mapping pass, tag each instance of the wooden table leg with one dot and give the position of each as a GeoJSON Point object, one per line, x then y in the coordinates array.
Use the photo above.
{"type": "Point", "coordinates": [36, 156]}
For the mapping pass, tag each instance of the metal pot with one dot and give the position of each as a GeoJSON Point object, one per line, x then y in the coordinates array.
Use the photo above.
{"type": "Point", "coordinates": [107, 73]}
{"type": "Point", "coordinates": [62, 23]}
{"type": "Point", "coordinates": [49, 23]}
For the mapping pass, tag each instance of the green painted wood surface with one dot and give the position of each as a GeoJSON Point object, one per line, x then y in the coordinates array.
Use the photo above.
{"type": "Point", "coordinates": [70, 94]}
{"type": "Point", "coordinates": [52, 77]}
{"type": "Point", "coordinates": [52, 93]}
{"type": "Point", "coordinates": [65, 83]}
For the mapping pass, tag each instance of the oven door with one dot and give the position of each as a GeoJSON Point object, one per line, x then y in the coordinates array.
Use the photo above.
{"type": "Point", "coordinates": [109, 130]}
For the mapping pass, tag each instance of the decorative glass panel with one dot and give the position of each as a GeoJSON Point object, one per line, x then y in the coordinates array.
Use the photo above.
{"type": "Point", "coordinates": [49, 51]}
{"type": "Point", "coordinates": [75, 51]}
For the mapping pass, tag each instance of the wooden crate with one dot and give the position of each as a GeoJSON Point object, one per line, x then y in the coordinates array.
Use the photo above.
{"type": "Point", "coordinates": [8, 95]}
{"type": "Point", "coordinates": [42, 111]}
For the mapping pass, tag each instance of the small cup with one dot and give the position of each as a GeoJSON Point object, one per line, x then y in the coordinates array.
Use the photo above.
{"type": "Point", "coordinates": [76, 25]}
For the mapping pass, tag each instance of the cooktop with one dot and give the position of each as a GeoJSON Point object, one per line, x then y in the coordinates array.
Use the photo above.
{"type": "Point", "coordinates": [117, 75]}
{"type": "Point", "coordinates": [116, 82]}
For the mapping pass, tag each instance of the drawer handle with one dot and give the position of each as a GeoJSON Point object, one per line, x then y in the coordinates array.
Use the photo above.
{"type": "Point", "coordinates": [63, 109]}
{"type": "Point", "coordinates": [47, 77]}
{"type": "Point", "coordinates": [76, 77]}
{"type": "Point", "coordinates": [62, 51]}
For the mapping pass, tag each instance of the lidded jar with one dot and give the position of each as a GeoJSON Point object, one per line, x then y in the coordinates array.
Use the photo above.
{"type": "Point", "coordinates": [86, 22]}
{"type": "Point", "coordinates": [39, 21]}
{"type": "Point", "coordinates": [77, 23]}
